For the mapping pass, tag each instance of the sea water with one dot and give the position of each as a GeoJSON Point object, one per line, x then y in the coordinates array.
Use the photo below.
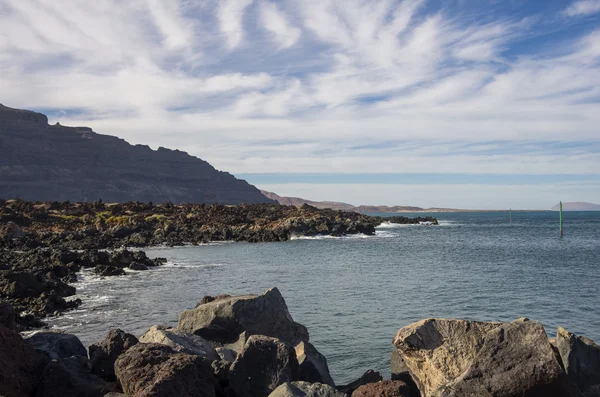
{"type": "Point", "coordinates": [354, 293]}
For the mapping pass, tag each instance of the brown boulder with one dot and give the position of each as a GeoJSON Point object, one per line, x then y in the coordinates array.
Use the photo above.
{"type": "Point", "coordinates": [386, 388]}
{"type": "Point", "coordinates": [154, 370]}
{"type": "Point", "coordinates": [466, 358]}
{"type": "Point", "coordinates": [263, 365]}
{"type": "Point", "coordinates": [8, 316]}
{"type": "Point", "coordinates": [581, 360]}
{"type": "Point", "coordinates": [104, 354]}
{"type": "Point", "coordinates": [20, 365]}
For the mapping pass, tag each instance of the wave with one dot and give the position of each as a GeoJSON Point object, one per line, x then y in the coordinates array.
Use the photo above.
{"type": "Point", "coordinates": [328, 237]}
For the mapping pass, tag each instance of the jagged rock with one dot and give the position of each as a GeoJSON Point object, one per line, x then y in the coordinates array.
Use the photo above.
{"type": "Point", "coordinates": [305, 389]}
{"type": "Point", "coordinates": [44, 162]}
{"type": "Point", "coordinates": [263, 365]}
{"type": "Point", "coordinates": [401, 372]}
{"type": "Point", "coordinates": [20, 365]}
{"type": "Point", "coordinates": [57, 344]}
{"type": "Point", "coordinates": [226, 354]}
{"type": "Point", "coordinates": [386, 388]}
{"type": "Point", "coordinates": [223, 320]}
{"type": "Point", "coordinates": [581, 361]}
{"type": "Point", "coordinates": [312, 364]}
{"type": "Point", "coordinates": [138, 266]}
{"type": "Point", "coordinates": [150, 369]}
{"type": "Point", "coordinates": [11, 230]}
{"type": "Point", "coordinates": [114, 394]}
{"type": "Point", "coordinates": [368, 377]}
{"type": "Point", "coordinates": [72, 377]}
{"type": "Point", "coordinates": [104, 354]}
{"type": "Point", "coordinates": [180, 341]}
{"type": "Point", "coordinates": [454, 358]}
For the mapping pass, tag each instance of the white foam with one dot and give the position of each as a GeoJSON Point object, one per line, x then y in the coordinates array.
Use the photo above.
{"type": "Point", "coordinates": [328, 237]}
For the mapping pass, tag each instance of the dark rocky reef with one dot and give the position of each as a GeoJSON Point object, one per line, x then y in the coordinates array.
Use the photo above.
{"type": "Point", "coordinates": [436, 357]}
{"type": "Point", "coordinates": [98, 225]}
{"type": "Point", "coordinates": [53, 162]}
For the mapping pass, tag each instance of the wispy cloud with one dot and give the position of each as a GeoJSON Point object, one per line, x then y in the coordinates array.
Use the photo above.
{"type": "Point", "coordinates": [583, 7]}
{"type": "Point", "coordinates": [239, 82]}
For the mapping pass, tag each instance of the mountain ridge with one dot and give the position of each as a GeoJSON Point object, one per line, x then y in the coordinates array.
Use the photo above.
{"type": "Point", "coordinates": [335, 205]}
{"type": "Point", "coordinates": [45, 162]}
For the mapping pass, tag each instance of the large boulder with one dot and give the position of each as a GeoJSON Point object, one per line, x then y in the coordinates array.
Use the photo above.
{"type": "Point", "coordinates": [20, 365]}
{"type": "Point", "coordinates": [152, 370]}
{"type": "Point", "coordinates": [223, 320]}
{"type": "Point", "coordinates": [581, 359]}
{"type": "Point", "coordinates": [468, 358]}
{"type": "Point", "coordinates": [263, 365]}
{"type": "Point", "coordinates": [368, 377]}
{"type": "Point", "coordinates": [104, 354]}
{"type": "Point", "coordinates": [386, 388]}
{"type": "Point", "coordinates": [312, 364]}
{"type": "Point", "coordinates": [56, 344]}
{"type": "Point", "coordinates": [305, 389]}
{"type": "Point", "coordinates": [72, 377]}
{"type": "Point", "coordinates": [180, 341]}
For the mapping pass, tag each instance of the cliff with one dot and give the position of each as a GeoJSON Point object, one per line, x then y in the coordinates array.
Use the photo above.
{"type": "Point", "coordinates": [57, 163]}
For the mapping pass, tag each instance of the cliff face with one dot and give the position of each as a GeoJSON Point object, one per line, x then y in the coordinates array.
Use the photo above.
{"type": "Point", "coordinates": [56, 163]}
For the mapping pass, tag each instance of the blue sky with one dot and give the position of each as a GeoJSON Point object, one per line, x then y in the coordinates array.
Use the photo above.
{"type": "Point", "coordinates": [460, 103]}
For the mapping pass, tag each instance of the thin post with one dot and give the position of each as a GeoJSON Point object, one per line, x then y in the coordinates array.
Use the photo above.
{"type": "Point", "coordinates": [561, 219]}
{"type": "Point", "coordinates": [510, 212]}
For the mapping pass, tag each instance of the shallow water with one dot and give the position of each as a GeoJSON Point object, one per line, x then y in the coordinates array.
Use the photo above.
{"type": "Point", "coordinates": [354, 293]}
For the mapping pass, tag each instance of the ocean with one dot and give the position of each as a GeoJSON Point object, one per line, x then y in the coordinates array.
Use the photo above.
{"type": "Point", "coordinates": [354, 293]}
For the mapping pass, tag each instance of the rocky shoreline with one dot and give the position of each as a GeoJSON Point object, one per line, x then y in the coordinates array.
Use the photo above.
{"type": "Point", "coordinates": [250, 346]}
{"type": "Point", "coordinates": [44, 245]}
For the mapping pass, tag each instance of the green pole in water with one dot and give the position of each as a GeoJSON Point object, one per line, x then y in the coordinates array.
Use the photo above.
{"type": "Point", "coordinates": [510, 212]}
{"type": "Point", "coordinates": [561, 219]}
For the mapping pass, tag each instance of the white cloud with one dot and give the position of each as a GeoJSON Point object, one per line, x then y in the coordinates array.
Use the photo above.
{"type": "Point", "coordinates": [204, 77]}
{"type": "Point", "coordinates": [274, 21]}
{"type": "Point", "coordinates": [231, 17]}
{"type": "Point", "coordinates": [583, 7]}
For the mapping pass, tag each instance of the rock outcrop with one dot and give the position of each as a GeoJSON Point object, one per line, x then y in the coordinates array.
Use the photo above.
{"type": "Point", "coordinates": [468, 358]}
{"type": "Point", "coordinates": [581, 360]}
{"type": "Point", "coordinates": [263, 365]}
{"type": "Point", "coordinates": [56, 163]}
{"type": "Point", "coordinates": [222, 321]}
{"type": "Point", "coordinates": [368, 377]}
{"type": "Point", "coordinates": [151, 370]}
{"type": "Point", "coordinates": [305, 389]}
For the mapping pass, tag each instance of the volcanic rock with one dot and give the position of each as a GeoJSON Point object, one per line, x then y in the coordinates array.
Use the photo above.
{"type": "Point", "coordinates": [263, 365]}
{"type": "Point", "coordinates": [305, 389]}
{"type": "Point", "coordinates": [454, 358]}
{"type": "Point", "coordinates": [180, 341]}
{"type": "Point", "coordinates": [581, 361]}
{"type": "Point", "coordinates": [72, 377]}
{"type": "Point", "coordinates": [368, 377]}
{"type": "Point", "coordinates": [312, 364]}
{"type": "Point", "coordinates": [386, 388]}
{"type": "Point", "coordinates": [56, 344]}
{"type": "Point", "coordinates": [223, 320]}
{"type": "Point", "coordinates": [151, 369]}
{"type": "Point", "coordinates": [104, 354]}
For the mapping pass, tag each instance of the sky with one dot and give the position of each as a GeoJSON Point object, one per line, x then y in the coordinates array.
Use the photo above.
{"type": "Point", "coordinates": [435, 103]}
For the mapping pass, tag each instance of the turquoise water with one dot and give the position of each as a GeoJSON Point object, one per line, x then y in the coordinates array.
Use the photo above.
{"type": "Point", "coordinates": [354, 293]}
